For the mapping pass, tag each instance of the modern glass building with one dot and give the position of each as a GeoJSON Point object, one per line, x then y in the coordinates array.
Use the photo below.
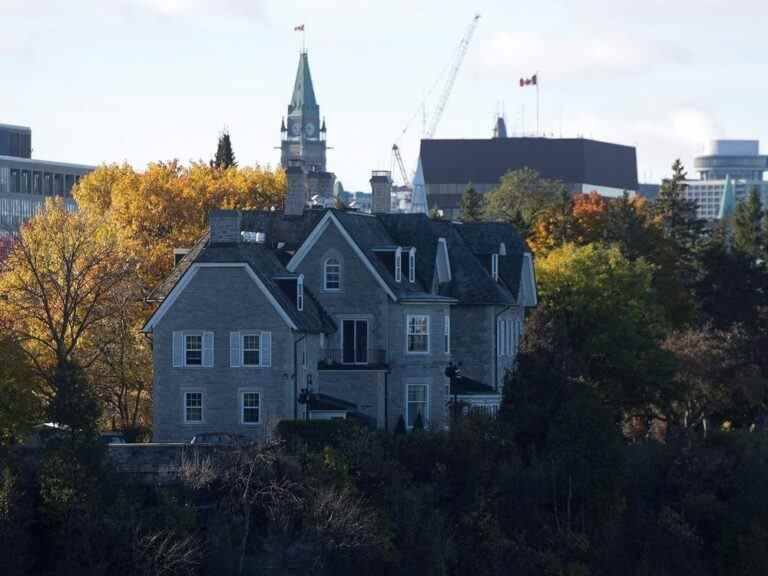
{"type": "Point", "coordinates": [26, 182]}
{"type": "Point", "coordinates": [737, 161]}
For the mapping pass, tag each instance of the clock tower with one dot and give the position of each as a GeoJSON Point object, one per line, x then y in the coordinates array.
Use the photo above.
{"type": "Point", "coordinates": [303, 136]}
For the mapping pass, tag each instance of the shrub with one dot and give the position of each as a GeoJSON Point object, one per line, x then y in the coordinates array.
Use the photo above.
{"type": "Point", "coordinates": [315, 433]}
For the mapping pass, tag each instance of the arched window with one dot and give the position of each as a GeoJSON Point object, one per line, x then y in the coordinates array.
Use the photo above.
{"type": "Point", "coordinates": [332, 274]}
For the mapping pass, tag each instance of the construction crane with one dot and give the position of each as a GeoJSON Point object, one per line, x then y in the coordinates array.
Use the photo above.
{"type": "Point", "coordinates": [457, 62]}
{"type": "Point", "coordinates": [431, 126]}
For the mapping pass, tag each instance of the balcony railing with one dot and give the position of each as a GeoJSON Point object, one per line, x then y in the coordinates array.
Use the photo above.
{"type": "Point", "coordinates": [335, 359]}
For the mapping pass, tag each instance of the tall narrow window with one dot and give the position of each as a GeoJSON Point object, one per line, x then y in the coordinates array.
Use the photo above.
{"type": "Point", "coordinates": [251, 349]}
{"type": "Point", "coordinates": [495, 267]}
{"type": "Point", "coordinates": [193, 407]}
{"type": "Point", "coordinates": [412, 265]}
{"type": "Point", "coordinates": [300, 293]}
{"type": "Point", "coordinates": [418, 334]}
{"type": "Point", "coordinates": [193, 349]}
{"type": "Point", "coordinates": [332, 275]}
{"type": "Point", "coordinates": [447, 333]}
{"type": "Point", "coordinates": [399, 265]}
{"type": "Point", "coordinates": [250, 405]}
{"type": "Point", "coordinates": [418, 404]}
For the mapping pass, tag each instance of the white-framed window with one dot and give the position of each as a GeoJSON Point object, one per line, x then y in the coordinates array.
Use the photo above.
{"type": "Point", "coordinates": [250, 349]}
{"type": "Point", "coordinates": [332, 275]}
{"type": "Point", "coordinates": [192, 349]}
{"type": "Point", "coordinates": [417, 402]}
{"type": "Point", "coordinates": [399, 265]}
{"type": "Point", "coordinates": [417, 334]}
{"type": "Point", "coordinates": [495, 267]}
{"type": "Point", "coordinates": [193, 407]}
{"type": "Point", "coordinates": [447, 334]}
{"type": "Point", "coordinates": [412, 265]}
{"type": "Point", "coordinates": [300, 293]}
{"type": "Point", "coordinates": [250, 407]}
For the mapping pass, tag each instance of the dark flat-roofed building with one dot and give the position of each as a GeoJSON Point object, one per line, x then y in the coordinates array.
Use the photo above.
{"type": "Point", "coordinates": [26, 182]}
{"type": "Point", "coordinates": [447, 167]}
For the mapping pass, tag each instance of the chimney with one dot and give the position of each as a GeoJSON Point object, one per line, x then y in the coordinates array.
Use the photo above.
{"type": "Point", "coordinates": [296, 196]}
{"type": "Point", "coordinates": [224, 226]}
{"type": "Point", "coordinates": [381, 186]}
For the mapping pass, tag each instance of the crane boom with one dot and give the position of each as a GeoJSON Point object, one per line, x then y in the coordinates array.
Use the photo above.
{"type": "Point", "coordinates": [400, 164]}
{"type": "Point", "coordinates": [457, 62]}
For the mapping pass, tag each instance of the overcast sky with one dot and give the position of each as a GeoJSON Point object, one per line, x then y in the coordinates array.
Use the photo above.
{"type": "Point", "coordinates": [145, 80]}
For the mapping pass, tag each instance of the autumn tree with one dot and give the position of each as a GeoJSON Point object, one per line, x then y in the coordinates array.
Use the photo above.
{"type": "Point", "coordinates": [521, 197]}
{"type": "Point", "coordinates": [225, 156]}
{"type": "Point", "coordinates": [167, 205]}
{"type": "Point", "coordinates": [21, 407]}
{"type": "Point", "coordinates": [59, 285]}
{"type": "Point", "coordinates": [471, 205]}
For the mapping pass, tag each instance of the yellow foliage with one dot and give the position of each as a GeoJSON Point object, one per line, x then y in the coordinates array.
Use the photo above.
{"type": "Point", "coordinates": [167, 205]}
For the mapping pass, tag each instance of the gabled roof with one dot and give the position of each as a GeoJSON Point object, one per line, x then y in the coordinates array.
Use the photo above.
{"type": "Point", "coordinates": [303, 92]}
{"type": "Point", "coordinates": [571, 160]}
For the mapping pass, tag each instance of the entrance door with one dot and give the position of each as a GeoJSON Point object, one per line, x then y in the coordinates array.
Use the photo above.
{"type": "Point", "coordinates": [354, 341]}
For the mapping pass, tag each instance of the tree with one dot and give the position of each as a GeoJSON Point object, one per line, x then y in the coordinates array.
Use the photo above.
{"type": "Point", "coordinates": [225, 157]}
{"type": "Point", "coordinates": [522, 196]}
{"type": "Point", "coordinates": [598, 321]}
{"type": "Point", "coordinates": [21, 407]}
{"type": "Point", "coordinates": [167, 205]}
{"type": "Point", "coordinates": [60, 284]}
{"type": "Point", "coordinates": [471, 205]}
{"type": "Point", "coordinates": [748, 232]}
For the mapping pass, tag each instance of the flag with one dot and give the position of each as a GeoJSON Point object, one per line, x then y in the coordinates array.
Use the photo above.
{"type": "Point", "coordinates": [298, 28]}
{"type": "Point", "coordinates": [532, 81]}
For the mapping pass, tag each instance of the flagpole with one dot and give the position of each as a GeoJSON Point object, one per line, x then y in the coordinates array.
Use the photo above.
{"type": "Point", "coordinates": [538, 81]}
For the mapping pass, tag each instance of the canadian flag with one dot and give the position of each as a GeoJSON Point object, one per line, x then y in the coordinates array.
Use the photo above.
{"type": "Point", "coordinates": [299, 28]}
{"type": "Point", "coordinates": [532, 81]}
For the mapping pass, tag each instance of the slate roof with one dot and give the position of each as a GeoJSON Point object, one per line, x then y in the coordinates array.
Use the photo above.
{"type": "Point", "coordinates": [572, 160]}
{"type": "Point", "coordinates": [465, 386]}
{"type": "Point", "coordinates": [469, 245]}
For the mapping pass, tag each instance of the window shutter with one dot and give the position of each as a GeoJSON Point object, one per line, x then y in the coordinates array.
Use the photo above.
{"type": "Point", "coordinates": [235, 350]}
{"type": "Point", "coordinates": [266, 349]}
{"type": "Point", "coordinates": [178, 350]}
{"type": "Point", "coordinates": [207, 349]}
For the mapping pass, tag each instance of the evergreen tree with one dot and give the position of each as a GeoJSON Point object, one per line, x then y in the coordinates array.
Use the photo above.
{"type": "Point", "coordinates": [748, 233]}
{"type": "Point", "coordinates": [676, 214]}
{"type": "Point", "coordinates": [471, 205]}
{"type": "Point", "coordinates": [225, 157]}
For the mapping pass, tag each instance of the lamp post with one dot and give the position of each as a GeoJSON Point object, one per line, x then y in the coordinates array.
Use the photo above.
{"type": "Point", "coordinates": [452, 372]}
{"type": "Point", "coordinates": [305, 397]}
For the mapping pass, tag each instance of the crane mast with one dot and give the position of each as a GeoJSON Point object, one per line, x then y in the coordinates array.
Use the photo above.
{"type": "Point", "coordinates": [457, 62]}
{"type": "Point", "coordinates": [400, 164]}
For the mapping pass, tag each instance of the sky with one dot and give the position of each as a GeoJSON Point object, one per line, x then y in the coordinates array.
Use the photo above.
{"type": "Point", "coordinates": [103, 81]}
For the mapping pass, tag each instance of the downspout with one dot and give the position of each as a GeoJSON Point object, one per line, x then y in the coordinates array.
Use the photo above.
{"type": "Point", "coordinates": [386, 401]}
{"type": "Point", "coordinates": [496, 345]}
{"type": "Point", "coordinates": [296, 376]}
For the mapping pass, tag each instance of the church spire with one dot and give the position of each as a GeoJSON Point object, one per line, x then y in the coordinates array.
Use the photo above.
{"type": "Point", "coordinates": [303, 92]}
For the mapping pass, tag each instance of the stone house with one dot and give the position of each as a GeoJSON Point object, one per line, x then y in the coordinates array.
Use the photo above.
{"type": "Point", "coordinates": [323, 313]}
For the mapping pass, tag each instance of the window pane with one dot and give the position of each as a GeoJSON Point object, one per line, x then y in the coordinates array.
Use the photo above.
{"type": "Point", "coordinates": [194, 350]}
{"type": "Point", "coordinates": [361, 341]}
{"type": "Point", "coordinates": [332, 274]}
{"type": "Point", "coordinates": [348, 334]}
{"type": "Point", "coordinates": [251, 355]}
{"type": "Point", "coordinates": [417, 403]}
{"type": "Point", "coordinates": [193, 403]}
{"type": "Point", "coordinates": [418, 334]}
{"type": "Point", "coordinates": [251, 407]}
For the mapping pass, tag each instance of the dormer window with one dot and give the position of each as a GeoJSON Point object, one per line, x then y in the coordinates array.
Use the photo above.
{"type": "Point", "coordinates": [495, 267]}
{"type": "Point", "coordinates": [399, 265]}
{"type": "Point", "coordinates": [300, 293]}
{"type": "Point", "coordinates": [412, 265]}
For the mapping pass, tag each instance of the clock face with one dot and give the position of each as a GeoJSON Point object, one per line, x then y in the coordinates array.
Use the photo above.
{"type": "Point", "coordinates": [296, 128]}
{"type": "Point", "coordinates": [309, 129]}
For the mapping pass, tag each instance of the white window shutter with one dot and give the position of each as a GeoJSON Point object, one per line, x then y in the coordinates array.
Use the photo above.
{"type": "Point", "coordinates": [178, 350]}
{"type": "Point", "coordinates": [235, 350]}
{"type": "Point", "coordinates": [208, 349]}
{"type": "Point", "coordinates": [266, 349]}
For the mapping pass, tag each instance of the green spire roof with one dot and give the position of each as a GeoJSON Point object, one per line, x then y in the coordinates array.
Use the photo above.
{"type": "Point", "coordinates": [727, 200]}
{"type": "Point", "coordinates": [303, 93]}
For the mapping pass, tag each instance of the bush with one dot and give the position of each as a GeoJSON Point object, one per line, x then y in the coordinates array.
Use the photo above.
{"type": "Point", "coordinates": [315, 433]}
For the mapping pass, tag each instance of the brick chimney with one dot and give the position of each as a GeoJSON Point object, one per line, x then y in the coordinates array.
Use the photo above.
{"type": "Point", "coordinates": [381, 187]}
{"type": "Point", "coordinates": [296, 195]}
{"type": "Point", "coordinates": [224, 226]}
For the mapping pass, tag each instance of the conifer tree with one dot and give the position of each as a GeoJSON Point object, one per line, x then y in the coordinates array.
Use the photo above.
{"type": "Point", "coordinates": [225, 157]}
{"type": "Point", "coordinates": [471, 205]}
{"type": "Point", "coordinates": [748, 233]}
